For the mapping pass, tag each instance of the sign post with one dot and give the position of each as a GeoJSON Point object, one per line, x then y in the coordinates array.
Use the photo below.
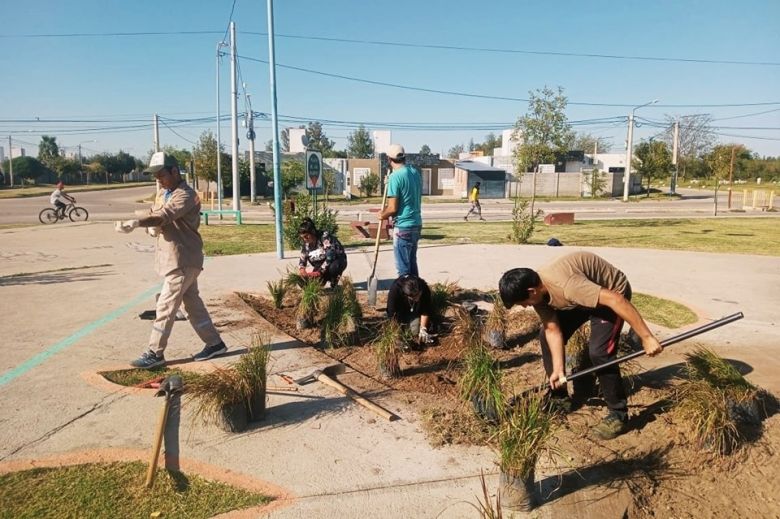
{"type": "Point", "coordinates": [314, 174]}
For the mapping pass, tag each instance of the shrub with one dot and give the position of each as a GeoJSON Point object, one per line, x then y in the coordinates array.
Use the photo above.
{"type": "Point", "coordinates": [277, 289]}
{"type": "Point", "coordinates": [324, 219]}
{"type": "Point", "coordinates": [523, 222]}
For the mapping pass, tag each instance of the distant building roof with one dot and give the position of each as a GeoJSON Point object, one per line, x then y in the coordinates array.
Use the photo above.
{"type": "Point", "coordinates": [470, 165]}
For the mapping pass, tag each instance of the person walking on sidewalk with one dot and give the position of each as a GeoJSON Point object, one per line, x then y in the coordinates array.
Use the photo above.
{"type": "Point", "coordinates": [475, 206]}
{"type": "Point", "coordinates": [573, 289]}
{"type": "Point", "coordinates": [179, 259]}
{"type": "Point", "coordinates": [404, 201]}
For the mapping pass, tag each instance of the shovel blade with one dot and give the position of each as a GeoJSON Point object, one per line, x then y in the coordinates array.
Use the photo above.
{"type": "Point", "coordinates": [372, 288]}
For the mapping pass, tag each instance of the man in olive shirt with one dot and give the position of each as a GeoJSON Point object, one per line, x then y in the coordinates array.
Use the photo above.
{"type": "Point", "coordinates": [565, 294]}
{"type": "Point", "coordinates": [179, 259]}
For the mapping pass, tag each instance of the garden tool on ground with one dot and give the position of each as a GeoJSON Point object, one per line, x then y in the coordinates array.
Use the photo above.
{"type": "Point", "coordinates": [169, 386]}
{"type": "Point", "coordinates": [324, 375]}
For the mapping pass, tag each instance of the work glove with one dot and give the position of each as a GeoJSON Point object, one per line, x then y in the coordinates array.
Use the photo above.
{"type": "Point", "coordinates": [424, 337]}
{"type": "Point", "coordinates": [153, 231]}
{"type": "Point", "coordinates": [314, 274]}
{"type": "Point", "coordinates": [126, 226]}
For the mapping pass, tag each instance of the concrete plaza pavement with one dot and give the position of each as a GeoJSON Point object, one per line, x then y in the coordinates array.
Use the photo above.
{"type": "Point", "coordinates": [70, 298]}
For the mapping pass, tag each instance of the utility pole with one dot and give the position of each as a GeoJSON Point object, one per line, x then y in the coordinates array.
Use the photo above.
{"type": "Point", "coordinates": [234, 118]}
{"type": "Point", "coordinates": [275, 127]}
{"type": "Point", "coordinates": [156, 121]}
{"type": "Point", "coordinates": [675, 145]}
{"type": "Point", "coordinates": [250, 134]}
{"type": "Point", "coordinates": [629, 145]}
{"type": "Point", "coordinates": [731, 174]}
{"type": "Point", "coordinates": [219, 135]}
{"type": "Point", "coordinates": [10, 161]}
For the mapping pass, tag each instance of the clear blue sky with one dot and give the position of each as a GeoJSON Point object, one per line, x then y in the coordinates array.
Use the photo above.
{"type": "Point", "coordinates": [112, 78]}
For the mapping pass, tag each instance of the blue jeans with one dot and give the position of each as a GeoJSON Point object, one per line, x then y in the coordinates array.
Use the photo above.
{"type": "Point", "coordinates": [405, 250]}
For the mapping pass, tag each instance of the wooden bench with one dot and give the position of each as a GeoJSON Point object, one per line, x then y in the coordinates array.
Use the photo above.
{"type": "Point", "coordinates": [368, 229]}
{"type": "Point", "coordinates": [205, 214]}
{"type": "Point", "coordinates": [559, 219]}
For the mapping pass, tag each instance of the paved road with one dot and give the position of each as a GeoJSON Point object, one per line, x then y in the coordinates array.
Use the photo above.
{"type": "Point", "coordinates": [118, 204]}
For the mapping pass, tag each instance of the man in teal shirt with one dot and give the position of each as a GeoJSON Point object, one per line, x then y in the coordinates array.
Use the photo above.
{"type": "Point", "coordinates": [404, 198]}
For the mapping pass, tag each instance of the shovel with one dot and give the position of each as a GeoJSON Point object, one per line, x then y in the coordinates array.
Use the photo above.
{"type": "Point", "coordinates": [668, 342]}
{"type": "Point", "coordinates": [372, 281]}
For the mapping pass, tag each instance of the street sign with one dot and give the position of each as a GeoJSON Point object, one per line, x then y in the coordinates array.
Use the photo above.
{"type": "Point", "coordinates": [313, 169]}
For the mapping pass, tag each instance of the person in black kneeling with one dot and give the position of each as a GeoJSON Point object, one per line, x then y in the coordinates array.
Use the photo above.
{"type": "Point", "coordinates": [323, 251]}
{"type": "Point", "coordinates": [409, 303]}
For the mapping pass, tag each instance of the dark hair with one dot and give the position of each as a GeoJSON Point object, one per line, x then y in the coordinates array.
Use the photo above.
{"type": "Point", "coordinates": [410, 285]}
{"type": "Point", "coordinates": [514, 284]}
{"type": "Point", "coordinates": [307, 227]}
{"type": "Point", "coordinates": [401, 159]}
{"type": "Point", "coordinates": [478, 184]}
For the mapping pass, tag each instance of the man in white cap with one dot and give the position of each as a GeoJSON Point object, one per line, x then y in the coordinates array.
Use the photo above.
{"type": "Point", "coordinates": [179, 259]}
{"type": "Point", "coordinates": [404, 200]}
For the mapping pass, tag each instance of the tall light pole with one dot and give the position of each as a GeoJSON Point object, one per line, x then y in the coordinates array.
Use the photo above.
{"type": "Point", "coordinates": [234, 118]}
{"type": "Point", "coordinates": [275, 133]}
{"type": "Point", "coordinates": [219, 133]}
{"type": "Point", "coordinates": [629, 148]}
{"type": "Point", "coordinates": [11, 161]}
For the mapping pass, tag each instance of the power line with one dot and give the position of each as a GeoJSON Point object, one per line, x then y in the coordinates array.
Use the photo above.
{"type": "Point", "coordinates": [747, 115]}
{"type": "Point", "coordinates": [178, 134]}
{"type": "Point", "coordinates": [230, 19]}
{"type": "Point", "coordinates": [458, 48]}
{"type": "Point", "coordinates": [498, 98]}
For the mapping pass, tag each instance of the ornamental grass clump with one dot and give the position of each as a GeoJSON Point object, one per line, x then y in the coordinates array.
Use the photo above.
{"type": "Point", "coordinates": [222, 398]}
{"type": "Point", "coordinates": [387, 348]}
{"type": "Point", "coordinates": [293, 279]}
{"type": "Point", "coordinates": [252, 369]}
{"type": "Point", "coordinates": [339, 322]}
{"type": "Point", "coordinates": [351, 300]}
{"type": "Point", "coordinates": [277, 289]}
{"type": "Point", "coordinates": [495, 325]}
{"type": "Point", "coordinates": [480, 383]}
{"type": "Point", "coordinates": [309, 304]}
{"type": "Point", "coordinates": [441, 298]}
{"type": "Point", "coordinates": [717, 403]}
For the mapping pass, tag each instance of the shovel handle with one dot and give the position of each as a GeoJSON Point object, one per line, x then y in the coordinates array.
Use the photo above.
{"type": "Point", "coordinates": [157, 443]}
{"type": "Point", "coordinates": [387, 415]}
{"type": "Point", "coordinates": [379, 230]}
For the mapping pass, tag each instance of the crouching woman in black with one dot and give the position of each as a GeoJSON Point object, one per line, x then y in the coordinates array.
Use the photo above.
{"type": "Point", "coordinates": [409, 303]}
{"type": "Point", "coordinates": [323, 252]}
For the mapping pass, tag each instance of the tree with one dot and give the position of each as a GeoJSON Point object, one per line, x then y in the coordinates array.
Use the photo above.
{"type": "Point", "coordinates": [269, 145]}
{"type": "Point", "coordinates": [491, 143]}
{"type": "Point", "coordinates": [696, 139]}
{"type": "Point", "coordinates": [49, 152]}
{"type": "Point", "coordinates": [359, 144]}
{"type": "Point", "coordinates": [652, 160]}
{"type": "Point", "coordinates": [587, 143]}
{"type": "Point", "coordinates": [292, 175]}
{"type": "Point", "coordinates": [318, 140]}
{"type": "Point", "coordinates": [455, 151]}
{"type": "Point", "coordinates": [472, 146]}
{"type": "Point", "coordinates": [545, 130]}
{"type": "Point", "coordinates": [205, 154]}
{"type": "Point", "coordinates": [369, 184]}
{"type": "Point", "coordinates": [183, 157]}
{"type": "Point", "coordinates": [425, 150]}
{"type": "Point", "coordinates": [26, 167]}
{"type": "Point", "coordinates": [721, 162]}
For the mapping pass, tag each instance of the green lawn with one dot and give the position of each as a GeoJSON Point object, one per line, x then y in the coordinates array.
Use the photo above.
{"type": "Point", "coordinates": [46, 189]}
{"type": "Point", "coordinates": [726, 235]}
{"type": "Point", "coordinates": [116, 490]}
{"type": "Point", "coordinates": [662, 311]}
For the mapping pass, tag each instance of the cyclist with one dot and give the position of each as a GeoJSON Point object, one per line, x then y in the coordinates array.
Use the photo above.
{"type": "Point", "coordinates": [59, 199]}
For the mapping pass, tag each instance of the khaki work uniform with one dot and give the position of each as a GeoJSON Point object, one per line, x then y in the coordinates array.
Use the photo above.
{"type": "Point", "coordinates": [179, 259]}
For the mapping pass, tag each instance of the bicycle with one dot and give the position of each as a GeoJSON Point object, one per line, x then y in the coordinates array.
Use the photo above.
{"type": "Point", "coordinates": [72, 211]}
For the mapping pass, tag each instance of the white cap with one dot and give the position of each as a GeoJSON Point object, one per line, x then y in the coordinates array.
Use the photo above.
{"type": "Point", "coordinates": [395, 152]}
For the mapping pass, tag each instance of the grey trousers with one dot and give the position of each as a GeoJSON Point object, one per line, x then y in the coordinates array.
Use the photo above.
{"type": "Point", "coordinates": [181, 287]}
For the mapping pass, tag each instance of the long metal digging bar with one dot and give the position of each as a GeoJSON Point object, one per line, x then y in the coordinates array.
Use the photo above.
{"type": "Point", "coordinates": [668, 342]}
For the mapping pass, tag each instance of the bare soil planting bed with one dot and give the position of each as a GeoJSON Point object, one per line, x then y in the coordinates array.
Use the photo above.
{"type": "Point", "coordinates": [666, 476]}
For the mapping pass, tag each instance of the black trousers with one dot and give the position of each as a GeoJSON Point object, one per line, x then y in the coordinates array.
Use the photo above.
{"type": "Point", "coordinates": [334, 271]}
{"type": "Point", "coordinates": [605, 328]}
